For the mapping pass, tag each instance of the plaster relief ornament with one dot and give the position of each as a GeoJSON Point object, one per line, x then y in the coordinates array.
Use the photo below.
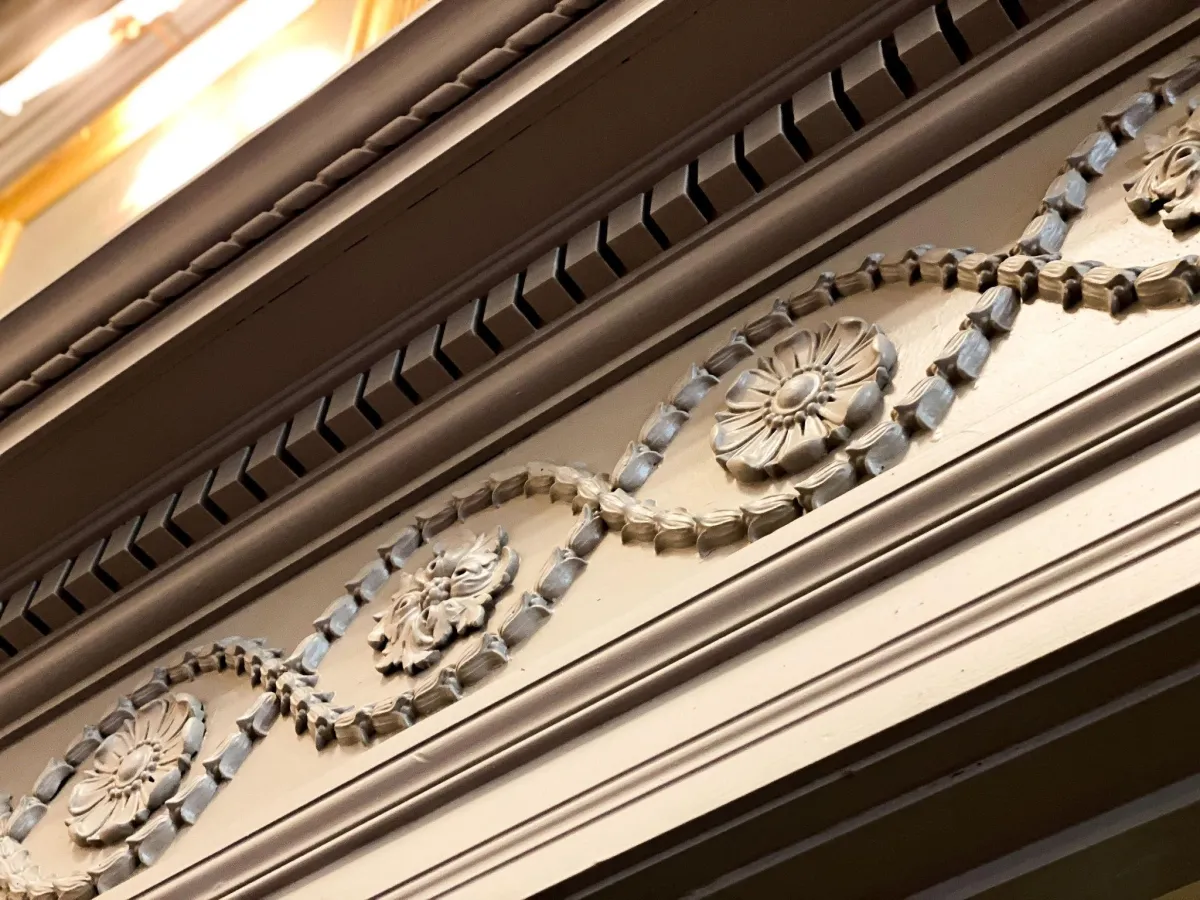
{"type": "Point", "coordinates": [15, 867]}
{"type": "Point", "coordinates": [451, 596]}
{"type": "Point", "coordinates": [807, 398]}
{"type": "Point", "coordinates": [136, 770]}
{"type": "Point", "coordinates": [1168, 182]}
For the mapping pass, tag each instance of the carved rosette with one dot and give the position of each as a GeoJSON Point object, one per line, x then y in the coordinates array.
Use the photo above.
{"type": "Point", "coordinates": [804, 400]}
{"type": "Point", "coordinates": [451, 596]}
{"type": "Point", "coordinates": [136, 770]}
{"type": "Point", "coordinates": [1168, 182]}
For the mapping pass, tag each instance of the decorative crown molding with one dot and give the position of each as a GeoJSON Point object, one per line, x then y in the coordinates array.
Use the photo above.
{"type": "Point", "coordinates": [783, 142]}
{"type": "Point", "coordinates": [881, 527]}
{"type": "Point", "coordinates": [302, 197]}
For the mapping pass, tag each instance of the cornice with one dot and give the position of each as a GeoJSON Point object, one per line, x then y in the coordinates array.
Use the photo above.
{"type": "Point", "coordinates": [332, 136]}
{"type": "Point", "coordinates": [725, 241]}
{"type": "Point", "coordinates": [340, 501]}
{"type": "Point", "coordinates": [296, 279]}
{"type": "Point", "coordinates": [229, 298]}
{"type": "Point", "coordinates": [1075, 429]}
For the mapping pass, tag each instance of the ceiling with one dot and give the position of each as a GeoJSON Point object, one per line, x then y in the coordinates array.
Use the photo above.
{"type": "Point", "coordinates": [28, 26]}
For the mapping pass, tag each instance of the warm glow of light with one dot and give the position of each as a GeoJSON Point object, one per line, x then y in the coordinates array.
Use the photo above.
{"type": "Point", "coordinates": [278, 83]}
{"type": "Point", "coordinates": [204, 60]}
{"type": "Point", "coordinates": [192, 144]}
{"type": "Point", "coordinates": [197, 139]}
{"type": "Point", "coordinates": [80, 49]}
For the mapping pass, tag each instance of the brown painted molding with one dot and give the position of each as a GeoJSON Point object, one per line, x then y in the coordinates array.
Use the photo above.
{"type": "Point", "coordinates": [342, 496]}
{"type": "Point", "coordinates": [998, 733]}
{"type": "Point", "coordinates": [77, 504]}
{"type": "Point", "coordinates": [330, 137]}
{"type": "Point", "coordinates": [360, 235]}
{"type": "Point", "coordinates": [892, 525]}
{"type": "Point", "coordinates": [679, 205]}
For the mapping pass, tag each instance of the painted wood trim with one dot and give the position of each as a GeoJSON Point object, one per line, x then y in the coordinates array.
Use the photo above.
{"type": "Point", "coordinates": [688, 634]}
{"type": "Point", "coordinates": [438, 45]}
{"type": "Point", "coordinates": [601, 39]}
{"type": "Point", "coordinates": [340, 501]}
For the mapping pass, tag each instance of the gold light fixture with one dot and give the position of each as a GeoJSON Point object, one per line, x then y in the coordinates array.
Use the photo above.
{"type": "Point", "coordinates": [80, 49]}
{"type": "Point", "coordinates": [269, 87]}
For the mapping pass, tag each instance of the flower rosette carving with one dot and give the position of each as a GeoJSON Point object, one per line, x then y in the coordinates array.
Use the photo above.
{"type": "Point", "coordinates": [798, 404]}
{"type": "Point", "coordinates": [451, 596]}
{"type": "Point", "coordinates": [136, 770]}
{"type": "Point", "coordinates": [1168, 181]}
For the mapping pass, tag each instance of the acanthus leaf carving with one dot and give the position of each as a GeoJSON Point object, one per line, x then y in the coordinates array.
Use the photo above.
{"type": "Point", "coordinates": [450, 596]}
{"type": "Point", "coordinates": [1167, 183]}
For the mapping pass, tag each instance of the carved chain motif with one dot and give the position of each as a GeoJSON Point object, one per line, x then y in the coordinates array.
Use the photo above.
{"type": "Point", "coordinates": [796, 408]}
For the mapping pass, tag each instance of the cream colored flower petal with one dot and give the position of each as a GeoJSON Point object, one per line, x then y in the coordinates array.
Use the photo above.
{"type": "Point", "coordinates": [88, 793]}
{"type": "Point", "coordinates": [799, 452]}
{"type": "Point", "coordinates": [732, 432]}
{"type": "Point", "coordinates": [857, 368]}
{"type": "Point", "coordinates": [172, 748]}
{"type": "Point", "coordinates": [123, 821]}
{"type": "Point", "coordinates": [110, 752]}
{"type": "Point", "coordinates": [840, 340]}
{"type": "Point", "coordinates": [172, 728]}
{"type": "Point", "coordinates": [814, 427]}
{"type": "Point", "coordinates": [797, 351]}
{"type": "Point", "coordinates": [773, 365]}
{"type": "Point", "coordinates": [750, 462]}
{"type": "Point", "coordinates": [751, 391]}
{"type": "Point", "coordinates": [85, 827]}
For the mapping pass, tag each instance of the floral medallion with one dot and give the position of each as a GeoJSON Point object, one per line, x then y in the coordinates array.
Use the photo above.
{"type": "Point", "coordinates": [452, 595]}
{"type": "Point", "coordinates": [1168, 182]}
{"type": "Point", "coordinates": [136, 770]}
{"type": "Point", "coordinates": [805, 399]}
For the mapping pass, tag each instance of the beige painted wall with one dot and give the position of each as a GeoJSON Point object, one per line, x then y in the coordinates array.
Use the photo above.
{"type": "Point", "coordinates": [1051, 354]}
